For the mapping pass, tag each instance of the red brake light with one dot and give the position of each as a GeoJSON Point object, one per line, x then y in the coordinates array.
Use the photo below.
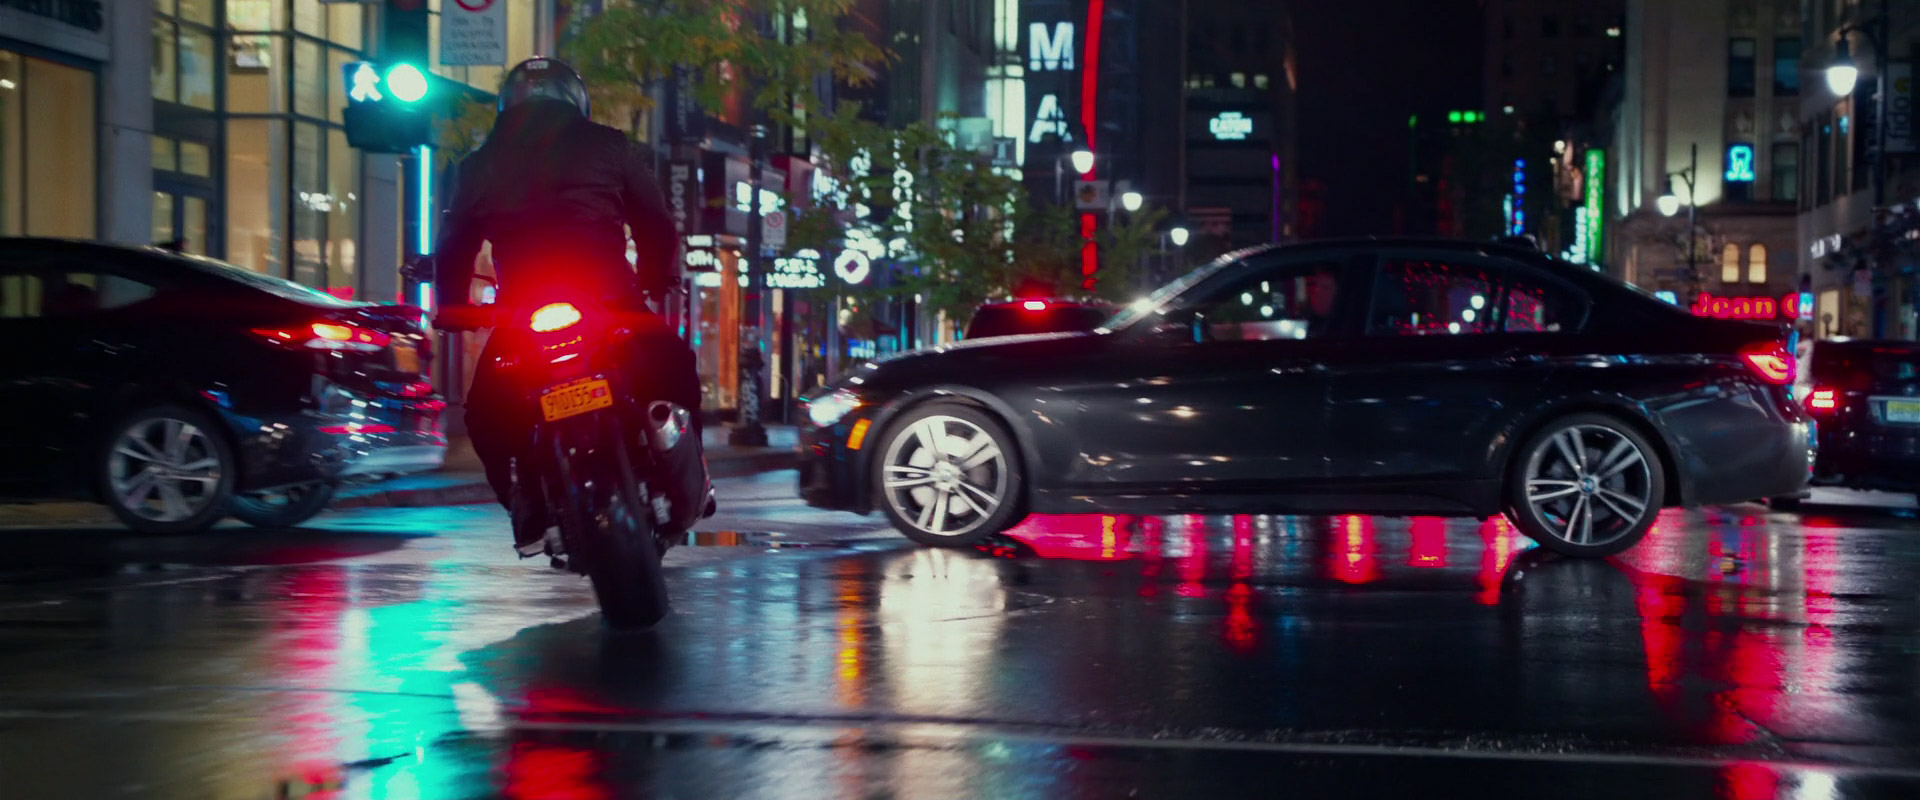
{"type": "Point", "coordinates": [328, 336]}
{"type": "Point", "coordinates": [1769, 361]}
{"type": "Point", "coordinates": [554, 317]}
{"type": "Point", "coordinates": [1034, 305]}
{"type": "Point", "coordinates": [1823, 400]}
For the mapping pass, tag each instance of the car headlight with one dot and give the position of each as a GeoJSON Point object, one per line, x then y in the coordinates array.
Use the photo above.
{"type": "Point", "coordinates": [831, 407]}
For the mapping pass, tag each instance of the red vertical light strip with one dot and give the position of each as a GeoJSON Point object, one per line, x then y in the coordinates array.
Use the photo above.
{"type": "Point", "coordinates": [1090, 77]}
{"type": "Point", "coordinates": [1089, 253]}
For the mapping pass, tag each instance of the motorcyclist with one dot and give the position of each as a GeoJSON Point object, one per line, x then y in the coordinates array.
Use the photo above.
{"type": "Point", "coordinates": [551, 190]}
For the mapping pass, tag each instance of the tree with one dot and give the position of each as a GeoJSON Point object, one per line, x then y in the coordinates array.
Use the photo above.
{"type": "Point", "coordinates": [713, 49]}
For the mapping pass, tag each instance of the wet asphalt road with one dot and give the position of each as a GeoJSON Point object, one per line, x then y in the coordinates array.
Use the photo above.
{"type": "Point", "coordinates": [1737, 653]}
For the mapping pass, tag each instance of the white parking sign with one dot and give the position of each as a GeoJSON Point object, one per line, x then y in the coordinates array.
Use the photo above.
{"type": "Point", "coordinates": [473, 33]}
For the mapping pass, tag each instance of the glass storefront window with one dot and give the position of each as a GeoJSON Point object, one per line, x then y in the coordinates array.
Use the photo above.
{"type": "Point", "coordinates": [256, 15]}
{"type": "Point", "coordinates": [195, 217]}
{"type": "Point", "coordinates": [309, 206]}
{"type": "Point", "coordinates": [196, 68]}
{"type": "Point", "coordinates": [337, 61]}
{"type": "Point", "coordinates": [196, 159]}
{"type": "Point", "coordinates": [309, 79]}
{"type": "Point", "coordinates": [166, 76]}
{"type": "Point", "coordinates": [47, 155]}
{"type": "Point", "coordinates": [200, 11]}
{"type": "Point", "coordinates": [256, 77]}
{"type": "Point", "coordinates": [344, 25]}
{"type": "Point", "coordinates": [343, 211]}
{"type": "Point", "coordinates": [257, 194]}
{"type": "Point", "coordinates": [163, 154]}
{"type": "Point", "coordinates": [162, 217]}
{"type": "Point", "coordinates": [307, 17]}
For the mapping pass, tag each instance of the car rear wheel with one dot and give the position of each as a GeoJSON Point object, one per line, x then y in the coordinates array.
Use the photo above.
{"type": "Point", "coordinates": [166, 469]}
{"type": "Point", "coordinates": [947, 476]}
{"type": "Point", "coordinates": [1587, 485]}
{"type": "Point", "coordinates": [281, 508]}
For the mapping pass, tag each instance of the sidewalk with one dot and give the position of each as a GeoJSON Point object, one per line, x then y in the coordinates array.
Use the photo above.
{"type": "Point", "coordinates": [461, 481]}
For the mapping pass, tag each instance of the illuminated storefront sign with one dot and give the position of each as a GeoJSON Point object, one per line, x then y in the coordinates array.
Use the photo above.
{"type": "Point", "coordinates": [1049, 119]}
{"type": "Point", "coordinates": [799, 271]}
{"type": "Point", "coordinates": [1739, 163]}
{"type": "Point", "coordinates": [1596, 179]}
{"type": "Point", "coordinates": [1230, 126]}
{"type": "Point", "coordinates": [1517, 220]}
{"type": "Point", "coordinates": [1050, 52]}
{"type": "Point", "coordinates": [852, 266]}
{"type": "Point", "coordinates": [1758, 308]}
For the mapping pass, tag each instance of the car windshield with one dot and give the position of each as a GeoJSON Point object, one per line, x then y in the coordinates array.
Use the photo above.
{"type": "Point", "coordinates": [1130, 314]}
{"type": "Point", "coordinates": [268, 283]}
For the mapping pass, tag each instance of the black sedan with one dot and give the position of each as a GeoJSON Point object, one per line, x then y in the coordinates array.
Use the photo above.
{"type": "Point", "coordinates": [1389, 377]}
{"type": "Point", "coordinates": [178, 390]}
{"type": "Point", "coordinates": [1864, 396]}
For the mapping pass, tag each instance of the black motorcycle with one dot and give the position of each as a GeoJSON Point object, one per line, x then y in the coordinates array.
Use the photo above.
{"type": "Point", "coordinates": [619, 476]}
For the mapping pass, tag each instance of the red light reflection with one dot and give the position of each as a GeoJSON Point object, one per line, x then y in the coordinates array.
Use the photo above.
{"type": "Point", "coordinates": [1353, 551]}
{"type": "Point", "coordinates": [553, 772]}
{"type": "Point", "coordinates": [1429, 543]}
{"type": "Point", "coordinates": [1502, 545]}
{"type": "Point", "coordinates": [1193, 566]}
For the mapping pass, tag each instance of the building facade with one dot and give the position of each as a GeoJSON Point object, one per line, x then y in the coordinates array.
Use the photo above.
{"type": "Point", "coordinates": [1856, 213]}
{"type": "Point", "coordinates": [1240, 125]}
{"type": "Point", "coordinates": [1708, 113]}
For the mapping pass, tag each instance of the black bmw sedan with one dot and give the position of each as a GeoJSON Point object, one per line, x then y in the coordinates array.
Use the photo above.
{"type": "Point", "coordinates": [1377, 376]}
{"type": "Point", "coordinates": [178, 390]}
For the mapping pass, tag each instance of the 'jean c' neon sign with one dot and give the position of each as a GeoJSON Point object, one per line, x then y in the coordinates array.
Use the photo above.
{"type": "Point", "coordinates": [1757, 308]}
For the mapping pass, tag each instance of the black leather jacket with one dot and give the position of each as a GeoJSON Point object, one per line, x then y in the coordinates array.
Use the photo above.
{"type": "Point", "coordinates": [551, 189]}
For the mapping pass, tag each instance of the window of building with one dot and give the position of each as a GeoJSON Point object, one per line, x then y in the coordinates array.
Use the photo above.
{"type": "Point", "coordinates": [1740, 74]}
{"type": "Point", "coordinates": [166, 70]}
{"type": "Point", "coordinates": [1757, 264]}
{"type": "Point", "coordinates": [1786, 172]}
{"type": "Point", "coordinates": [1842, 154]}
{"type": "Point", "coordinates": [183, 54]}
{"type": "Point", "coordinates": [1786, 66]}
{"type": "Point", "coordinates": [257, 194]}
{"type": "Point", "coordinates": [1239, 80]}
{"type": "Point", "coordinates": [1261, 82]}
{"type": "Point", "coordinates": [1730, 264]}
{"type": "Point", "coordinates": [47, 157]}
{"type": "Point", "coordinates": [1549, 26]}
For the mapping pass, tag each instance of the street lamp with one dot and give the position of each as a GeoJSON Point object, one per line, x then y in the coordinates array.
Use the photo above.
{"type": "Point", "coordinates": [1131, 201]}
{"type": "Point", "coordinates": [1178, 235]}
{"type": "Point", "coordinates": [1083, 161]}
{"type": "Point", "coordinates": [1669, 204]}
{"type": "Point", "coordinates": [1842, 75]}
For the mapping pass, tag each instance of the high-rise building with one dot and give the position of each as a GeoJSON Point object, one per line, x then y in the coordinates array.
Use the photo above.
{"type": "Point", "coordinates": [1241, 124]}
{"type": "Point", "coordinates": [1549, 59]}
{"type": "Point", "coordinates": [1708, 116]}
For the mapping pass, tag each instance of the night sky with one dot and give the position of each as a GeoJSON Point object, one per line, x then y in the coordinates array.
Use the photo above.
{"type": "Point", "coordinates": [1364, 66]}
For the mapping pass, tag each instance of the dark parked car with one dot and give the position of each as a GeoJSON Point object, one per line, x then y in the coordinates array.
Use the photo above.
{"type": "Point", "coordinates": [1032, 315]}
{"type": "Point", "coordinates": [1865, 400]}
{"type": "Point", "coordinates": [178, 390]}
{"type": "Point", "coordinates": [1395, 377]}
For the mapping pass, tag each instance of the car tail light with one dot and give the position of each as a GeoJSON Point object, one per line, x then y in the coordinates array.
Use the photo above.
{"type": "Point", "coordinates": [328, 336]}
{"type": "Point", "coordinates": [1034, 305]}
{"type": "Point", "coordinates": [1823, 400]}
{"type": "Point", "coordinates": [555, 317]}
{"type": "Point", "coordinates": [1770, 361]}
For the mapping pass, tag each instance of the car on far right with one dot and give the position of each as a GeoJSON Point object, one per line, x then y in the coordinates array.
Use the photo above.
{"type": "Point", "coordinates": [1864, 396]}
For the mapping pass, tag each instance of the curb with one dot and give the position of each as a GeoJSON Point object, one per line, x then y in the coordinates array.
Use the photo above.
{"type": "Point", "coordinates": [479, 492]}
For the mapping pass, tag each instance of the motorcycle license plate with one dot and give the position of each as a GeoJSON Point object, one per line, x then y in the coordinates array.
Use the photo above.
{"type": "Point", "coordinates": [574, 398]}
{"type": "Point", "coordinates": [406, 358]}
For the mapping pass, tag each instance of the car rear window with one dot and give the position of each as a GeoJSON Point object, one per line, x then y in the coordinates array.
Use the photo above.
{"type": "Point", "coordinates": [1008, 321]}
{"type": "Point", "coordinates": [1874, 368]}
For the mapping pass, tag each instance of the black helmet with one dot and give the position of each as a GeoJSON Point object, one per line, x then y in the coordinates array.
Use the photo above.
{"type": "Point", "coordinates": [545, 77]}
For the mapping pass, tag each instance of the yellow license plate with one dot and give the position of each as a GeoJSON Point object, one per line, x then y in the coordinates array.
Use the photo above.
{"type": "Point", "coordinates": [575, 398]}
{"type": "Point", "coordinates": [406, 358]}
{"type": "Point", "coordinates": [1903, 410]}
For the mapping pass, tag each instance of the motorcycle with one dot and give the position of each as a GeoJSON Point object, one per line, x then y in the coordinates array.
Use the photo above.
{"type": "Point", "coordinates": [619, 477]}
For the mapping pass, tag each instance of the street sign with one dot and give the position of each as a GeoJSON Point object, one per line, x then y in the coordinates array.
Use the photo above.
{"type": "Point", "coordinates": [473, 33]}
{"type": "Point", "coordinates": [773, 230]}
{"type": "Point", "coordinates": [1091, 195]}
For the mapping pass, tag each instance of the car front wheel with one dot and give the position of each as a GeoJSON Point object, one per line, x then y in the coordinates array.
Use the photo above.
{"type": "Point", "coordinates": [166, 469]}
{"type": "Point", "coordinates": [1588, 485]}
{"type": "Point", "coordinates": [948, 476]}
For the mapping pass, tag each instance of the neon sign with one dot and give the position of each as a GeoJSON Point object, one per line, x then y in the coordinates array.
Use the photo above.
{"type": "Point", "coordinates": [1230, 126]}
{"type": "Point", "coordinates": [1739, 163]}
{"type": "Point", "coordinates": [1050, 52]}
{"type": "Point", "coordinates": [1049, 119]}
{"type": "Point", "coordinates": [1517, 222]}
{"type": "Point", "coordinates": [1758, 308]}
{"type": "Point", "coordinates": [1596, 179]}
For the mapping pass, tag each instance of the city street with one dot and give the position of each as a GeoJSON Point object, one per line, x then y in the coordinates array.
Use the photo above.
{"type": "Point", "coordinates": [400, 653]}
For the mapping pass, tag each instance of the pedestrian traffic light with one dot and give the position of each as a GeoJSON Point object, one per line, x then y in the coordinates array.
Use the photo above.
{"type": "Point", "coordinates": [385, 112]}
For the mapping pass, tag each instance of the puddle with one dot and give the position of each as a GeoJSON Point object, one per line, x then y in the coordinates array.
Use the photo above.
{"type": "Point", "coordinates": [766, 539]}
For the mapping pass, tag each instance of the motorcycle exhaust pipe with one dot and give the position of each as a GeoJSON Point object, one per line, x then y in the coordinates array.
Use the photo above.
{"type": "Point", "coordinates": [670, 423]}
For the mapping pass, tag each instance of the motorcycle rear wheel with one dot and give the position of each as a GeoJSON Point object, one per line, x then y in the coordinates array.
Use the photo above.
{"type": "Point", "coordinates": [613, 531]}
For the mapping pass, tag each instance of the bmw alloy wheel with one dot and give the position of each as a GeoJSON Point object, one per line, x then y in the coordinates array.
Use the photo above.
{"type": "Point", "coordinates": [946, 479]}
